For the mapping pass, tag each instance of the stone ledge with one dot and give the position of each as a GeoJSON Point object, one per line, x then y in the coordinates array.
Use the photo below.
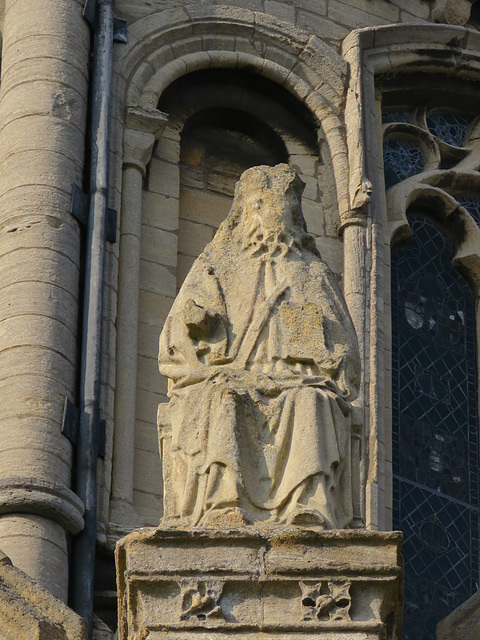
{"type": "Point", "coordinates": [289, 583]}
{"type": "Point", "coordinates": [28, 610]}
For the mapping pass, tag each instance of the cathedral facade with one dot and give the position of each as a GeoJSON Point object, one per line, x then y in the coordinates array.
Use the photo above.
{"type": "Point", "coordinates": [124, 128]}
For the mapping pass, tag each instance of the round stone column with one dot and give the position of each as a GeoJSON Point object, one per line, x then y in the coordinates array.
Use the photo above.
{"type": "Point", "coordinates": [43, 106]}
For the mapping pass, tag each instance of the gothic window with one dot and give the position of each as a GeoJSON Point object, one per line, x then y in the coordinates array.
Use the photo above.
{"type": "Point", "coordinates": [434, 366]}
{"type": "Point", "coordinates": [435, 428]}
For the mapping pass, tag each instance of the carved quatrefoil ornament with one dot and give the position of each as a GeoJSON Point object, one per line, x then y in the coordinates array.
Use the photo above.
{"type": "Point", "coordinates": [326, 601]}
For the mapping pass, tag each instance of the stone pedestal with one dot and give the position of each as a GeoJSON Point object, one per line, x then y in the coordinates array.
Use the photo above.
{"type": "Point", "coordinates": [182, 584]}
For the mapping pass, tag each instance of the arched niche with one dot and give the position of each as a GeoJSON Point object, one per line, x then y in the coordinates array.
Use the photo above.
{"type": "Point", "coordinates": [164, 47]}
{"type": "Point", "coordinates": [172, 43]}
{"type": "Point", "coordinates": [229, 120]}
{"type": "Point", "coordinates": [168, 47]}
{"type": "Point", "coordinates": [220, 122]}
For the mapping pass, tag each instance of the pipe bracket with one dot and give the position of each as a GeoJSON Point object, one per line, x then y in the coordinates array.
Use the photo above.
{"type": "Point", "coordinates": [70, 425]}
{"type": "Point", "coordinates": [111, 226]}
{"type": "Point", "coordinates": [119, 26]}
{"type": "Point", "coordinates": [79, 208]}
{"type": "Point", "coordinates": [120, 30]}
{"type": "Point", "coordinates": [71, 418]}
{"type": "Point", "coordinates": [79, 205]}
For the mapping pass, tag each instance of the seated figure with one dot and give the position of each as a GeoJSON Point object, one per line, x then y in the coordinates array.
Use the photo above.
{"type": "Point", "coordinates": [263, 362]}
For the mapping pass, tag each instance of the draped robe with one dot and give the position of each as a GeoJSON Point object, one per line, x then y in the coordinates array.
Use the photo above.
{"type": "Point", "coordinates": [263, 359]}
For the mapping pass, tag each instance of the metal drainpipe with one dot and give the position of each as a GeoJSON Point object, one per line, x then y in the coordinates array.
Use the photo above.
{"type": "Point", "coordinates": [83, 552]}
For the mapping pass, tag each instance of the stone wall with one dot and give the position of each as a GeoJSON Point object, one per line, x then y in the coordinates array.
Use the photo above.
{"type": "Point", "coordinates": [166, 216]}
{"type": "Point", "coordinates": [331, 20]}
{"type": "Point", "coordinates": [274, 39]}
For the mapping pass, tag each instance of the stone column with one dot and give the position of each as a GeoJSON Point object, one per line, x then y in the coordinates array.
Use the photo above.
{"type": "Point", "coordinates": [44, 90]}
{"type": "Point", "coordinates": [364, 265]}
{"type": "Point", "coordinates": [142, 129]}
{"type": "Point", "coordinates": [354, 287]}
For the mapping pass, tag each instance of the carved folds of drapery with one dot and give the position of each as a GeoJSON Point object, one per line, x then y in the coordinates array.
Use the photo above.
{"type": "Point", "coordinates": [263, 358]}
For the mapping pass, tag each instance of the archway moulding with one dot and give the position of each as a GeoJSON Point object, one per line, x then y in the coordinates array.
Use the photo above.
{"type": "Point", "coordinates": [430, 48]}
{"type": "Point", "coordinates": [388, 47]}
{"type": "Point", "coordinates": [173, 34]}
{"type": "Point", "coordinates": [171, 43]}
{"type": "Point", "coordinates": [397, 48]}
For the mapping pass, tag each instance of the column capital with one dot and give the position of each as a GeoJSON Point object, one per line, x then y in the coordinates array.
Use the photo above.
{"type": "Point", "coordinates": [148, 120]}
{"type": "Point", "coordinates": [143, 128]}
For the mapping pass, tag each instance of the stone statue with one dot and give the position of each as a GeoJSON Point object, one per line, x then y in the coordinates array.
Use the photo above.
{"type": "Point", "coordinates": [263, 362]}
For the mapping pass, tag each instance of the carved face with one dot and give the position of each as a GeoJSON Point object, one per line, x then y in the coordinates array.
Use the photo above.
{"type": "Point", "coordinates": [271, 211]}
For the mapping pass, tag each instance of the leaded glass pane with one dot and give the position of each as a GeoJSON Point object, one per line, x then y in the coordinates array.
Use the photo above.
{"type": "Point", "coordinates": [435, 428]}
{"type": "Point", "coordinates": [395, 116]}
{"type": "Point", "coordinates": [449, 127]}
{"type": "Point", "coordinates": [401, 159]}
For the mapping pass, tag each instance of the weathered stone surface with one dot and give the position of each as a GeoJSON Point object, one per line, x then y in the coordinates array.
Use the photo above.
{"type": "Point", "coordinates": [28, 610]}
{"type": "Point", "coordinates": [45, 55]}
{"type": "Point", "coordinates": [263, 361]}
{"type": "Point", "coordinates": [463, 623]}
{"type": "Point", "coordinates": [295, 583]}
{"type": "Point", "coordinates": [452, 11]}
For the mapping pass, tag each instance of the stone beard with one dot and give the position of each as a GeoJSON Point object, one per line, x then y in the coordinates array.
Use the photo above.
{"type": "Point", "coordinates": [263, 362]}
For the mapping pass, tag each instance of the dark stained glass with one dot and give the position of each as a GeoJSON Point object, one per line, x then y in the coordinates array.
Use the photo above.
{"type": "Point", "coordinates": [435, 428]}
{"type": "Point", "coordinates": [395, 116]}
{"type": "Point", "coordinates": [450, 127]}
{"type": "Point", "coordinates": [401, 159]}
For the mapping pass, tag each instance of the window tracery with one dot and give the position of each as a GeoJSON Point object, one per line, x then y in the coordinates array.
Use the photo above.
{"type": "Point", "coordinates": [395, 116]}
{"type": "Point", "coordinates": [434, 365]}
{"type": "Point", "coordinates": [471, 205]}
{"type": "Point", "coordinates": [449, 127]}
{"type": "Point", "coordinates": [445, 138]}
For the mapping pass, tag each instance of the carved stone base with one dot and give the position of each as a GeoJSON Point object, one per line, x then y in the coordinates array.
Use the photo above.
{"type": "Point", "coordinates": [179, 584]}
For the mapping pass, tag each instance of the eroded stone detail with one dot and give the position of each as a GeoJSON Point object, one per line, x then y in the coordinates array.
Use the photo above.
{"type": "Point", "coordinates": [326, 600]}
{"type": "Point", "coordinates": [201, 601]}
{"type": "Point", "coordinates": [263, 363]}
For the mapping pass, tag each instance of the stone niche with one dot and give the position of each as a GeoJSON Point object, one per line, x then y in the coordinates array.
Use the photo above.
{"type": "Point", "coordinates": [260, 536]}
{"type": "Point", "coordinates": [186, 584]}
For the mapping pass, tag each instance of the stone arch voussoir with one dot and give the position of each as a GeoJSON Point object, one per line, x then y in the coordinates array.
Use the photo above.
{"type": "Point", "coordinates": [169, 44]}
